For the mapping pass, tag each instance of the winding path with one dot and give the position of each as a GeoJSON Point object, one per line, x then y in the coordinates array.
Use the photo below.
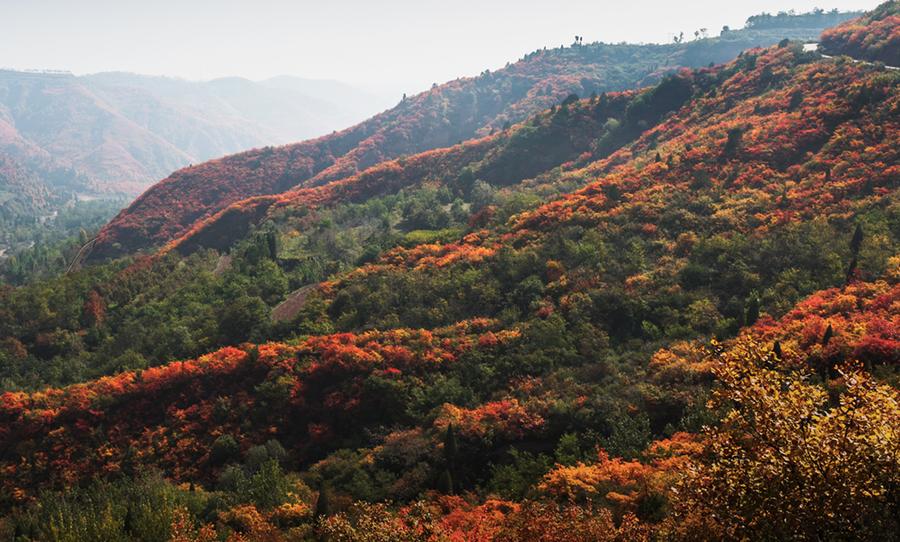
{"type": "Point", "coordinates": [807, 47]}
{"type": "Point", "coordinates": [82, 254]}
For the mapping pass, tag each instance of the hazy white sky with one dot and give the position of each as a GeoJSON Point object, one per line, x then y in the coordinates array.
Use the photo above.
{"type": "Point", "coordinates": [400, 45]}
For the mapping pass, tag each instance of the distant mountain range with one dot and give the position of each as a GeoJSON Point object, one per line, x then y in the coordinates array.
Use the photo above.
{"type": "Point", "coordinates": [118, 132]}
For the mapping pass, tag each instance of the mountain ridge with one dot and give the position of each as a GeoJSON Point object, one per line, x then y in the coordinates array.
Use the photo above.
{"type": "Point", "coordinates": [438, 117]}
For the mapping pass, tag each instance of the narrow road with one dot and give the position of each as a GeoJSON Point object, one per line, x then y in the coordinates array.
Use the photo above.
{"type": "Point", "coordinates": [82, 254]}
{"type": "Point", "coordinates": [815, 47]}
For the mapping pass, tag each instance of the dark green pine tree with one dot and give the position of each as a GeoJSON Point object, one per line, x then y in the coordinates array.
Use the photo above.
{"type": "Point", "coordinates": [868, 187]}
{"type": "Point", "coordinates": [129, 464]}
{"type": "Point", "coordinates": [857, 240]}
{"type": "Point", "coordinates": [323, 503]}
{"type": "Point", "coordinates": [752, 311]}
{"type": "Point", "coordinates": [829, 333]}
{"type": "Point", "coordinates": [776, 349]}
{"type": "Point", "coordinates": [851, 271]}
{"type": "Point", "coordinates": [450, 447]}
{"type": "Point", "coordinates": [445, 482]}
{"type": "Point", "coordinates": [451, 450]}
{"type": "Point", "coordinates": [733, 142]}
{"type": "Point", "coordinates": [253, 353]}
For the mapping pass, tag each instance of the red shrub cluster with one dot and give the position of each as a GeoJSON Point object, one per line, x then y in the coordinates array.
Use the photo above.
{"type": "Point", "coordinates": [864, 323]}
{"type": "Point", "coordinates": [169, 416]}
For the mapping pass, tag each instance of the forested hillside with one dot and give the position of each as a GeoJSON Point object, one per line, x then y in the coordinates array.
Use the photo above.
{"type": "Point", "coordinates": [666, 313]}
{"type": "Point", "coordinates": [444, 115]}
{"type": "Point", "coordinates": [873, 37]}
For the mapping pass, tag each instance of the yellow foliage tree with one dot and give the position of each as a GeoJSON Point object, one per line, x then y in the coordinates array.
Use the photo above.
{"type": "Point", "coordinates": [788, 462]}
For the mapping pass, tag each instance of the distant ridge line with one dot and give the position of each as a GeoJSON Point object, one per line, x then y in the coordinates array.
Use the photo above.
{"type": "Point", "coordinates": [33, 71]}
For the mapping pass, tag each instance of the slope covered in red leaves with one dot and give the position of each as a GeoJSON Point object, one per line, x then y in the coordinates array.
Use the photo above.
{"type": "Point", "coordinates": [864, 319]}
{"type": "Point", "coordinates": [874, 36]}
{"type": "Point", "coordinates": [307, 396]}
{"type": "Point", "coordinates": [441, 116]}
{"type": "Point", "coordinates": [809, 139]}
{"type": "Point", "coordinates": [864, 323]}
{"type": "Point", "coordinates": [501, 159]}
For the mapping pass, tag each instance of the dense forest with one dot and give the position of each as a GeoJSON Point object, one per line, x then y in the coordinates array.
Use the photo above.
{"type": "Point", "coordinates": [663, 313]}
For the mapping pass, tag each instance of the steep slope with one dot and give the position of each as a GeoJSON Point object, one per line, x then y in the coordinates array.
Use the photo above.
{"type": "Point", "coordinates": [19, 186]}
{"type": "Point", "coordinates": [575, 134]}
{"type": "Point", "coordinates": [233, 113]}
{"type": "Point", "coordinates": [444, 115]}
{"type": "Point", "coordinates": [20, 189]}
{"type": "Point", "coordinates": [31, 181]}
{"type": "Point", "coordinates": [874, 36]}
{"type": "Point", "coordinates": [184, 113]}
{"type": "Point", "coordinates": [772, 146]}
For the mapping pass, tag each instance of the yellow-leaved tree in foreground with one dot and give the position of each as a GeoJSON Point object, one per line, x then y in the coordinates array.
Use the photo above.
{"type": "Point", "coordinates": [791, 461]}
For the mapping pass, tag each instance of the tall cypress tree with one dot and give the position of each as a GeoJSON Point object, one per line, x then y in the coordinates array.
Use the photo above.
{"type": "Point", "coordinates": [323, 503]}
{"type": "Point", "coordinates": [450, 447]}
{"type": "Point", "coordinates": [851, 271]}
{"type": "Point", "coordinates": [272, 244]}
{"type": "Point", "coordinates": [752, 310]}
{"type": "Point", "coordinates": [128, 522]}
{"type": "Point", "coordinates": [857, 240]}
{"type": "Point", "coordinates": [445, 482]}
